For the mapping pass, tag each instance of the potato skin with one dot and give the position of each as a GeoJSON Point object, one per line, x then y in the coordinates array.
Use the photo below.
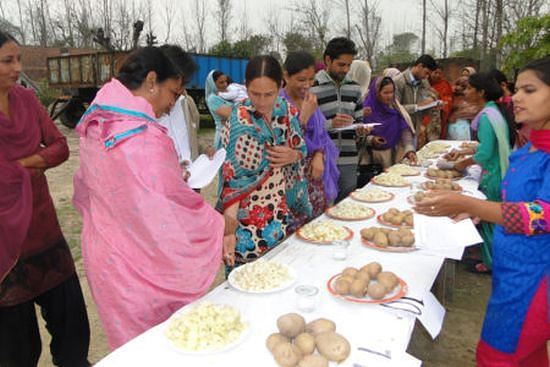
{"type": "Point", "coordinates": [287, 355]}
{"type": "Point", "coordinates": [333, 346]}
{"type": "Point", "coordinates": [376, 291]}
{"type": "Point", "coordinates": [275, 339]}
{"type": "Point", "coordinates": [313, 360]}
{"type": "Point", "coordinates": [319, 326]}
{"type": "Point", "coordinates": [306, 343]}
{"type": "Point", "coordinates": [291, 325]}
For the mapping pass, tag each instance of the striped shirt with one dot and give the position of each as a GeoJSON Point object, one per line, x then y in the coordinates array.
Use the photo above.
{"type": "Point", "coordinates": [346, 99]}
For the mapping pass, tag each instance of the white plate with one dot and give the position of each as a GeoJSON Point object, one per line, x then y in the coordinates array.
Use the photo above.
{"type": "Point", "coordinates": [285, 285]}
{"type": "Point", "coordinates": [244, 335]}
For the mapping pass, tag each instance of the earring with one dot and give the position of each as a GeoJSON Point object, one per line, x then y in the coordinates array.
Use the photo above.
{"type": "Point", "coordinates": [152, 90]}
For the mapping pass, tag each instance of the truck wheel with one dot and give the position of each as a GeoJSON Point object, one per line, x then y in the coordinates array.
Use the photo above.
{"type": "Point", "coordinates": [72, 113]}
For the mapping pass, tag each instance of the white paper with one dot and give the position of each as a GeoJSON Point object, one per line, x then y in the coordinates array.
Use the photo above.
{"type": "Point", "coordinates": [355, 126]}
{"type": "Point", "coordinates": [429, 105]}
{"type": "Point", "coordinates": [443, 236]}
{"type": "Point", "coordinates": [203, 169]}
{"type": "Point", "coordinates": [432, 315]}
{"type": "Point", "coordinates": [403, 359]}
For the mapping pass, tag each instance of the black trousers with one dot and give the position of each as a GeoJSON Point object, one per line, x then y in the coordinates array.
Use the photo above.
{"type": "Point", "coordinates": [64, 311]}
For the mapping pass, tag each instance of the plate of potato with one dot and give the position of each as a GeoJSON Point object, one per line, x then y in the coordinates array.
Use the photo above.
{"type": "Point", "coordinates": [372, 195]}
{"type": "Point", "coordinates": [441, 184]}
{"type": "Point", "coordinates": [368, 284]}
{"type": "Point", "coordinates": [388, 240]}
{"type": "Point", "coordinates": [396, 218]}
{"type": "Point", "coordinates": [350, 211]}
{"type": "Point", "coordinates": [450, 174]}
{"type": "Point", "coordinates": [323, 232]}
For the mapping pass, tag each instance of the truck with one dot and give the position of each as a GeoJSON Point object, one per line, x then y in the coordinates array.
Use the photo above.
{"type": "Point", "coordinates": [79, 77]}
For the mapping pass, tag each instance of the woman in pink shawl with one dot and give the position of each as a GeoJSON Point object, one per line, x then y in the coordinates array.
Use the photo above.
{"type": "Point", "coordinates": [150, 243]}
{"type": "Point", "coordinates": [36, 266]}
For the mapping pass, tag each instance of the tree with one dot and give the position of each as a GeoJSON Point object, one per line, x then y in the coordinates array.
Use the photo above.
{"type": "Point", "coordinates": [222, 48]}
{"type": "Point", "coordinates": [256, 44]}
{"type": "Point", "coordinates": [222, 15]}
{"type": "Point", "coordinates": [444, 13]}
{"type": "Point", "coordinates": [296, 41]}
{"type": "Point", "coordinates": [399, 51]}
{"type": "Point", "coordinates": [315, 16]}
{"type": "Point", "coordinates": [530, 40]}
{"type": "Point", "coordinates": [424, 15]}
{"type": "Point", "coordinates": [346, 4]}
{"type": "Point", "coordinates": [199, 9]}
{"type": "Point", "coordinates": [369, 32]}
{"type": "Point", "coordinates": [168, 16]}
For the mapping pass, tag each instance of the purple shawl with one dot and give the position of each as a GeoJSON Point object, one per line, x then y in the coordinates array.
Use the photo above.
{"type": "Point", "coordinates": [317, 138]}
{"type": "Point", "coordinates": [391, 119]}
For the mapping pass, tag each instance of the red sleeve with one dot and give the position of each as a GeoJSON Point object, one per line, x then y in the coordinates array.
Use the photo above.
{"type": "Point", "coordinates": [56, 150]}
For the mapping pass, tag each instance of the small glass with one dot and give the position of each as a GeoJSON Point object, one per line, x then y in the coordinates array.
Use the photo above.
{"type": "Point", "coordinates": [306, 297]}
{"type": "Point", "coordinates": [340, 249]}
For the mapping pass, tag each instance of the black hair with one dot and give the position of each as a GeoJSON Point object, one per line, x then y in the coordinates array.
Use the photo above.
{"type": "Point", "coordinates": [339, 46]}
{"type": "Point", "coordinates": [498, 75]}
{"type": "Point", "coordinates": [216, 75]}
{"type": "Point", "coordinates": [486, 83]}
{"type": "Point", "coordinates": [298, 61]}
{"type": "Point", "coordinates": [427, 61]}
{"type": "Point", "coordinates": [181, 60]}
{"type": "Point", "coordinates": [6, 37]}
{"type": "Point", "coordinates": [541, 67]}
{"type": "Point", "coordinates": [492, 91]}
{"type": "Point", "coordinates": [141, 62]}
{"type": "Point", "coordinates": [386, 81]}
{"type": "Point", "coordinates": [264, 65]}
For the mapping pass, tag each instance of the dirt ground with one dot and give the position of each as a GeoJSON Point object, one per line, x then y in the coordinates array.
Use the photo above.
{"type": "Point", "coordinates": [455, 346]}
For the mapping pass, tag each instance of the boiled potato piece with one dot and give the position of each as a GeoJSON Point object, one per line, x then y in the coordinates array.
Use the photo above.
{"type": "Point", "coordinates": [394, 239]}
{"type": "Point", "coordinates": [388, 279]}
{"type": "Point", "coordinates": [374, 268]}
{"type": "Point", "coordinates": [380, 240]}
{"type": "Point", "coordinates": [407, 240]}
{"type": "Point", "coordinates": [291, 325]}
{"type": "Point", "coordinates": [350, 271]}
{"type": "Point", "coordinates": [342, 286]}
{"type": "Point", "coordinates": [368, 233]}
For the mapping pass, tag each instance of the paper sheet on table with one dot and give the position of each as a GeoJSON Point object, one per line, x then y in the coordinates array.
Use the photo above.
{"type": "Point", "coordinates": [443, 236]}
{"type": "Point", "coordinates": [432, 315]}
{"type": "Point", "coordinates": [403, 359]}
{"type": "Point", "coordinates": [429, 105]}
{"type": "Point", "coordinates": [203, 170]}
{"type": "Point", "coordinates": [355, 126]}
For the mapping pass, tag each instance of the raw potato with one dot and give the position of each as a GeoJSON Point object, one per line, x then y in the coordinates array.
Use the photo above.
{"type": "Point", "coordinates": [306, 343]}
{"type": "Point", "coordinates": [313, 360]}
{"type": "Point", "coordinates": [291, 325]}
{"type": "Point", "coordinates": [364, 276]}
{"type": "Point", "coordinates": [377, 291]}
{"type": "Point", "coordinates": [388, 279]}
{"type": "Point", "coordinates": [350, 272]}
{"type": "Point", "coordinates": [381, 240]}
{"type": "Point", "coordinates": [333, 346]}
{"type": "Point", "coordinates": [407, 240]}
{"type": "Point", "coordinates": [374, 268]}
{"type": "Point", "coordinates": [275, 339]}
{"type": "Point", "coordinates": [368, 233]}
{"type": "Point", "coordinates": [394, 238]}
{"type": "Point", "coordinates": [319, 326]}
{"type": "Point", "coordinates": [287, 355]}
{"type": "Point", "coordinates": [358, 288]}
{"type": "Point", "coordinates": [342, 286]}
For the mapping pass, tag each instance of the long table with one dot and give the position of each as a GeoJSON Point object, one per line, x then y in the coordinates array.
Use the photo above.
{"type": "Point", "coordinates": [373, 327]}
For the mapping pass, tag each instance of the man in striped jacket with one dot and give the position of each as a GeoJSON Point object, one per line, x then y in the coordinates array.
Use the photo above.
{"type": "Point", "coordinates": [339, 99]}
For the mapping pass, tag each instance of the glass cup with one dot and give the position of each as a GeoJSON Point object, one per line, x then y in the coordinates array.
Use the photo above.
{"type": "Point", "coordinates": [306, 297]}
{"type": "Point", "coordinates": [340, 249]}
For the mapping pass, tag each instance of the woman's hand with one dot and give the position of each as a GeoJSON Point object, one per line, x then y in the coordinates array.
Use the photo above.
{"type": "Point", "coordinates": [453, 155]}
{"type": "Point", "coordinates": [309, 105]}
{"type": "Point", "coordinates": [440, 204]}
{"type": "Point", "coordinates": [281, 155]}
{"type": "Point", "coordinates": [461, 165]}
{"type": "Point", "coordinates": [367, 111]}
{"type": "Point", "coordinates": [317, 166]}
{"type": "Point", "coordinates": [411, 156]}
{"type": "Point", "coordinates": [229, 244]}
{"type": "Point", "coordinates": [210, 152]}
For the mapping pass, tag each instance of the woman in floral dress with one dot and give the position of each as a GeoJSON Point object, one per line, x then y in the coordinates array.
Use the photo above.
{"type": "Point", "coordinates": [263, 174]}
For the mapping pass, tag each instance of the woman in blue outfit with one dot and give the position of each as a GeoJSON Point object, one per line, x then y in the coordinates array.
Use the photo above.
{"type": "Point", "coordinates": [517, 327]}
{"type": "Point", "coordinates": [216, 82]}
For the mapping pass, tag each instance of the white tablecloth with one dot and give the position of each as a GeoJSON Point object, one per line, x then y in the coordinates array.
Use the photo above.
{"type": "Point", "coordinates": [369, 326]}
